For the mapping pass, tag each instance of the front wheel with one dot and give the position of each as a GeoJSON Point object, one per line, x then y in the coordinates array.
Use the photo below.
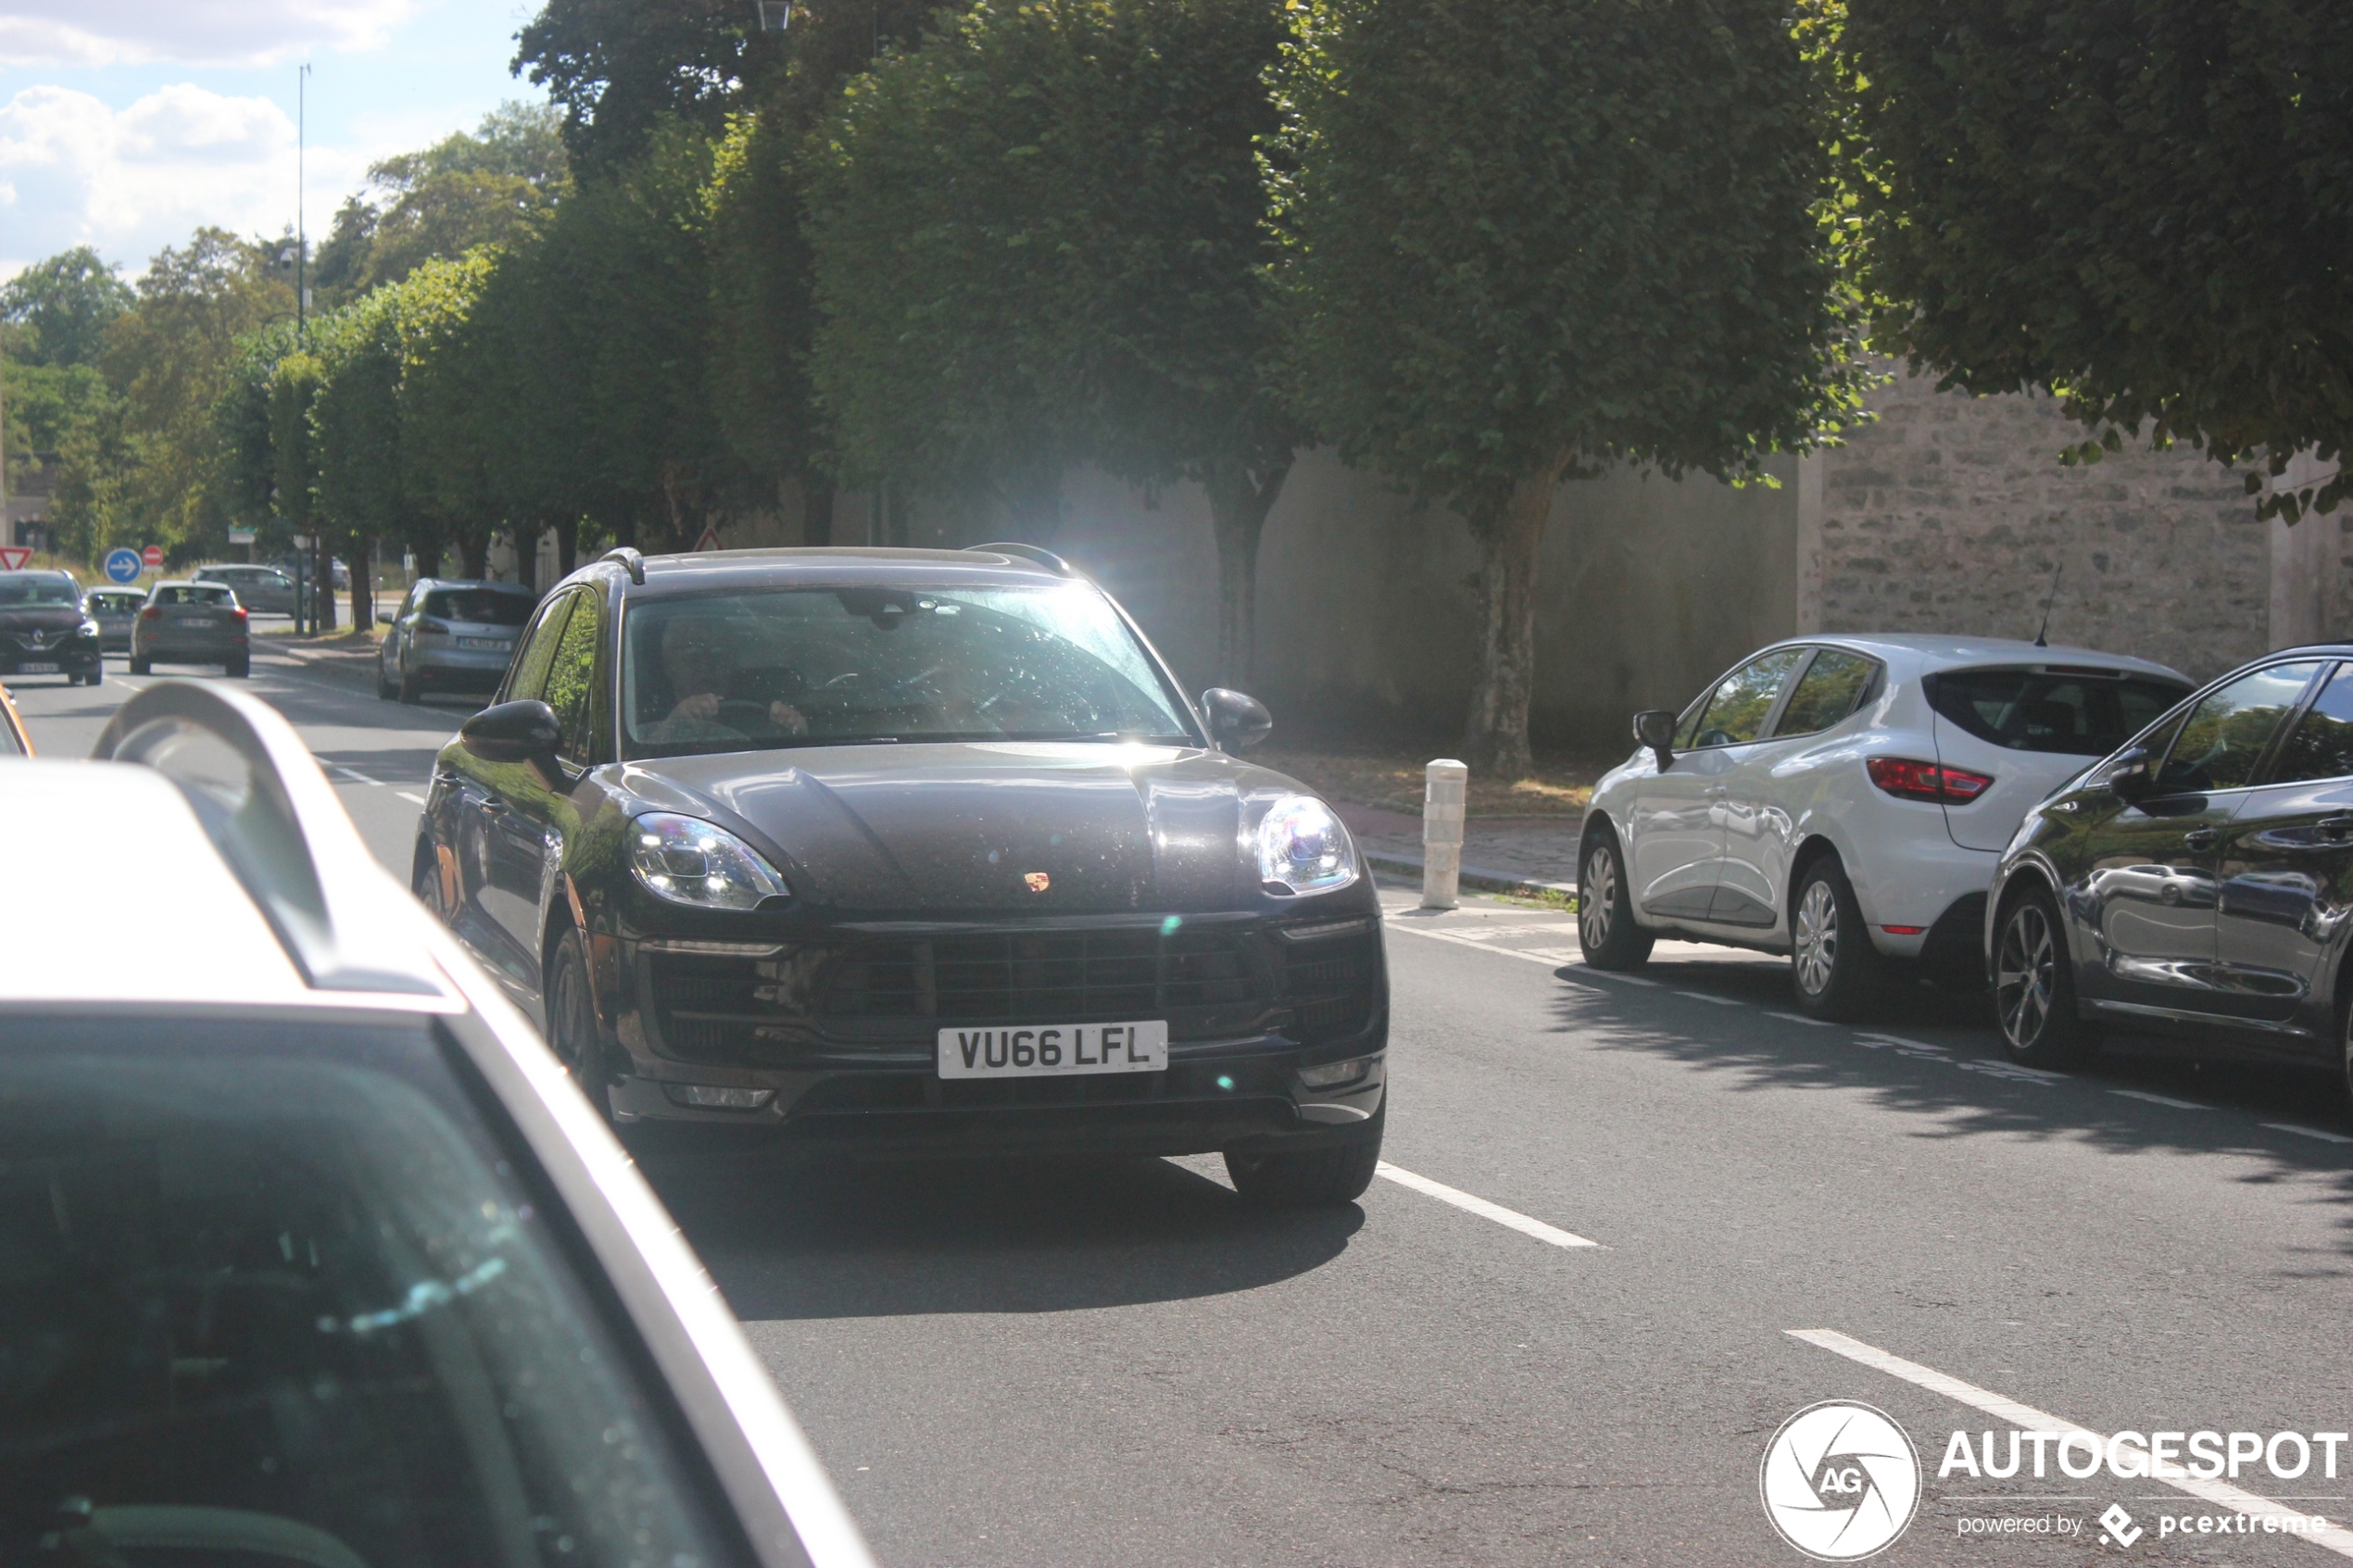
{"type": "Point", "coordinates": [2034, 987]}
{"type": "Point", "coordinates": [572, 1032]}
{"type": "Point", "coordinates": [412, 691]}
{"type": "Point", "coordinates": [1309, 1178]}
{"type": "Point", "coordinates": [1605, 927]}
{"type": "Point", "coordinates": [1836, 971]}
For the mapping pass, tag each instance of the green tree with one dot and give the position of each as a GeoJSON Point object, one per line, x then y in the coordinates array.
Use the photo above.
{"type": "Point", "coordinates": [68, 301]}
{"type": "Point", "coordinates": [360, 491]}
{"type": "Point", "coordinates": [2141, 206]}
{"type": "Point", "coordinates": [455, 435]}
{"type": "Point", "coordinates": [1042, 238]}
{"type": "Point", "coordinates": [622, 70]}
{"type": "Point", "coordinates": [1527, 238]}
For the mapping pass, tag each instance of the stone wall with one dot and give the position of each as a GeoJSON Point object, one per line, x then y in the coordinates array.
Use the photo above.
{"type": "Point", "coordinates": [1952, 513]}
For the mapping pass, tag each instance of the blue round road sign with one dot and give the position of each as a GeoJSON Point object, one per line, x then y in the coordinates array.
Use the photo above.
{"type": "Point", "coordinates": [122, 566]}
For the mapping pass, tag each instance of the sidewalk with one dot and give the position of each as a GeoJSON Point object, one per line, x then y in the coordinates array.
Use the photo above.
{"type": "Point", "coordinates": [1533, 856]}
{"type": "Point", "coordinates": [349, 656]}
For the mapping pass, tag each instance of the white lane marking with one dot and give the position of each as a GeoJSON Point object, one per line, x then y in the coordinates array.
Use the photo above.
{"type": "Point", "coordinates": [2307, 1132]}
{"type": "Point", "coordinates": [2161, 1100]}
{"type": "Point", "coordinates": [1902, 1043]}
{"type": "Point", "coordinates": [1544, 957]}
{"type": "Point", "coordinates": [405, 796]}
{"type": "Point", "coordinates": [2026, 1418]}
{"type": "Point", "coordinates": [1704, 997]}
{"type": "Point", "coordinates": [1509, 1218]}
{"type": "Point", "coordinates": [1801, 1017]}
{"type": "Point", "coordinates": [354, 775]}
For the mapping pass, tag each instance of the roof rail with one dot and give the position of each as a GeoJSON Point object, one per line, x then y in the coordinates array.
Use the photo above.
{"type": "Point", "coordinates": [628, 561]}
{"type": "Point", "coordinates": [280, 828]}
{"type": "Point", "coordinates": [1037, 552]}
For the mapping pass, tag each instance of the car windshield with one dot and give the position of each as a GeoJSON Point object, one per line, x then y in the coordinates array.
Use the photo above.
{"type": "Point", "coordinates": [281, 1289]}
{"type": "Point", "coordinates": [37, 588]}
{"type": "Point", "coordinates": [480, 607]}
{"type": "Point", "coordinates": [2072, 714]}
{"type": "Point", "coordinates": [852, 666]}
{"type": "Point", "coordinates": [199, 594]}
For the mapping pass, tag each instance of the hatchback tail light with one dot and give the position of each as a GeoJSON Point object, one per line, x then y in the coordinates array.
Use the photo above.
{"type": "Point", "coordinates": [1908, 780]}
{"type": "Point", "coordinates": [152, 612]}
{"type": "Point", "coordinates": [428, 624]}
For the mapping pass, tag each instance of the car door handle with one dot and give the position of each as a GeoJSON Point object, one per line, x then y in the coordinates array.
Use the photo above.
{"type": "Point", "coordinates": [2201, 838]}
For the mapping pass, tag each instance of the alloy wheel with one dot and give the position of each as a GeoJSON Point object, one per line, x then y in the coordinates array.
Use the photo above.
{"type": "Point", "coordinates": [1817, 937]}
{"type": "Point", "coordinates": [1597, 898]}
{"type": "Point", "coordinates": [2025, 970]}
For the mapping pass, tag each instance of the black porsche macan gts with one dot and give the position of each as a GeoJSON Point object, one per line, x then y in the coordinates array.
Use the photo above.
{"type": "Point", "coordinates": [913, 852]}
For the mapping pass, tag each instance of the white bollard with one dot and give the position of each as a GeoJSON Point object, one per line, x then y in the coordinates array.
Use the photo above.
{"type": "Point", "coordinates": [1443, 799]}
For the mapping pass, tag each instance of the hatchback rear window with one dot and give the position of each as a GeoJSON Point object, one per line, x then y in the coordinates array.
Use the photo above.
{"type": "Point", "coordinates": [200, 594]}
{"type": "Point", "coordinates": [479, 607]}
{"type": "Point", "coordinates": [2075, 715]}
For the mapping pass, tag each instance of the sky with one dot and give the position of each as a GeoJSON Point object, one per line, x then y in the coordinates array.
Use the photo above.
{"type": "Point", "coordinates": [128, 124]}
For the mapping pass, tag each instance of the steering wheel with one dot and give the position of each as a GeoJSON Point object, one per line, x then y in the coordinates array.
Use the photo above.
{"type": "Point", "coordinates": [736, 712]}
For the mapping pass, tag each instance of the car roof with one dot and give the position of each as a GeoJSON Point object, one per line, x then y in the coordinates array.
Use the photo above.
{"type": "Point", "coordinates": [1924, 652]}
{"type": "Point", "coordinates": [834, 566]}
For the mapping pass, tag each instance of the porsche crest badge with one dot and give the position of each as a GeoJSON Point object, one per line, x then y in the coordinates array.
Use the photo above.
{"type": "Point", "coordinates": [1038, 881]}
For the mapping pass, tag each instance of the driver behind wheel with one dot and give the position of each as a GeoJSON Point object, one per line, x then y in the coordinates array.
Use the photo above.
{"type": "Point", "coordinates": [698, 658]}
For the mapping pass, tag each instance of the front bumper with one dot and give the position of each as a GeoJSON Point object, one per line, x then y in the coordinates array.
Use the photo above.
{"type": "Point", "coordinates": [79, 656]}
{"type": "Point", "coordinates": [864, 1076]}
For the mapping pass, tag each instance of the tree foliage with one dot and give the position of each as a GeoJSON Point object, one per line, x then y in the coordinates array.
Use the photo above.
{"type": "Point", "coordinates": [621, 69]}
{"type": "Point", "coordinates": [2144, 207]}
{"type": "Point", "coordinates": [65, 303]}
{"type": "Point", "coordinates": [1531, 237]}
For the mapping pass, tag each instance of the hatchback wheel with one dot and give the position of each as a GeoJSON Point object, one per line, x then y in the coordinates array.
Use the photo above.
{"type": "Point", "coordinates": [573, 1034]}
{"type": "Point", "coordinates": [413, 690]}
{"type": "Point", "coordinates": [1605, 927]}
{"type": "Point", "coordinates": [1837, 973]}
{"type": "Point", "coordinates": [2034, 987]}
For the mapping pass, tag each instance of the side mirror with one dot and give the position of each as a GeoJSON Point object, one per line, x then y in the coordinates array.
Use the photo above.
{"type": "Point", "coordinates": [1235, 721]}
{"type": "Point", "coordinates": [2129, 778]}
{"type": "Point", "coordinates": [1655, 728]}
{"type": "Point", "coordinates": [512, 732]}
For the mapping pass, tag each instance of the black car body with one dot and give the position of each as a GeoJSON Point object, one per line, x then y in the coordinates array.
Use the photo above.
{"type": "Point", "coordinates": [2198, 882]}
{"type": "Point", "coordinates": [44, 630]}
{"type": "Point", "coordinates": [932, 887]}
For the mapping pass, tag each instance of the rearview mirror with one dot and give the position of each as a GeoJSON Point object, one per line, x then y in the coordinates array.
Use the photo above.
{"type": "Point", "coordinates": [512, 732]}
{"type": "Point", "coordinates": [1236, 721]}
{"type": "Point", "coordinates": [385, 617]}
{"type": "Point", "coordinates": [2129, 778]}
{"type": "Point", "coordinates": [1655, 728]}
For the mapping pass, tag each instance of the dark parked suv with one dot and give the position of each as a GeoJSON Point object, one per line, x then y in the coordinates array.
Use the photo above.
{"type": "Point", "coordinates": [912, 850]}
{"type": "Point", "coordinates": [2197, 880]}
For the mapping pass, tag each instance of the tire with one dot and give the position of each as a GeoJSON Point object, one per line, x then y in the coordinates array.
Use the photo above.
{"type": "Point", "coordinates": [1834, 970]}
{"type": "Point", "coordinates": [2034, 987]}
{"type": "Point", "coordinates": [412, 691]}
{"type": "Point", "coordinates": [240, 670]}
{"type": "Point", "coordinates": [1606, 928]}
{"type": "Point", "coordinates": [385, 689]}
{"type": "Point", "coordinates": [572, 1032]}
{"type": "Point", "coordinates": [1310, 1178]}
{"type": "Point", "coordinates": [96, 678]}
{"type": "Point", "coordinates": [427, 886]}
{"type": "Point", "coordinates": [141, 666]}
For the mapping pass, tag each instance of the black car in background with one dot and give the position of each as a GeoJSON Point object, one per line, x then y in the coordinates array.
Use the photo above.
{"type": "Point", "coordinates": [2197, 881]}
{"type": "Point", "coordinates": [44, 630]}
{"type": "Point", "coordinates": [907, 850]}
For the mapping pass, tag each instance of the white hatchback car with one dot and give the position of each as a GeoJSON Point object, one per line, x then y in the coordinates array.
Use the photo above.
{"type": "Point", "coordinates": [1844, 799]}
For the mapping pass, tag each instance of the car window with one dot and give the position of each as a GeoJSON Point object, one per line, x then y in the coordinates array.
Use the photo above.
{"type": "Point", "coordinates": [1826, 693]}
{"type": "Point", "coordinates": [482, 607]}
{"type": "Point", "coordinates": [2223, 736]}
{"type": "Point", "coordinates": [2073, 714]}
{"type": "Point", "coordinates": [2321, 745]}
{"type": "Point", "coordinates": [193, 594]}
{"type": "Point", "coordinates": [38, 588]}
{"type": "Point", "coordinates": [714, 673]}
{"type": "Point", "coordinates": [1736, 709]}
{"type": "Point", "coordinates": [572, 682]}
{"type": "Point", "coordinates": [284, 1283]}
{"type": "Point", "coordinates": [530, 680]}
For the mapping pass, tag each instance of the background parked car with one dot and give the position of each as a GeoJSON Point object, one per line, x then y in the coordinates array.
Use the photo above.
{"type": "Point", "coordinates": [114, 609]}
{"type": "Point", "coordinates": [44, 630]}
{"type": "Point", "coordinates": [1844, 801]}
{"type": "Point", "coordinates": [296, 568]}
{"type": "Point", "coordinates": [2199, 881]}
{"type": "Point", "coordinates": [192, 623]}
{"type": "Point", "coordinates": [450, 635]}
{"type": "Point", "coordinates": [263, 590]}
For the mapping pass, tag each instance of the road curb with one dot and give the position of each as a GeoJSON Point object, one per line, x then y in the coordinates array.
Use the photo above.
{"type": "Point", "coordinates": [349, 662]}
{"type": "Point", "coordinates": [1484, 880]}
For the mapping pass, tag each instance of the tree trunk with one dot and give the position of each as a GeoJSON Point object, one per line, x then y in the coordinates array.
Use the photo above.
{"type": "Point", "coordinates": [473, 548]}
{"type": "Point", "coordinates": [363, 584]}
{"type": "Point", "coordinates": [568, 544]}
{"type": "Point", "coordinates": [526, 557]}
{"type": "Point", "coordinates": [322, 584]}
{"type": "Point", "coordinates": [1495, 738]}
{"type": "Point", "coordinates": [428, 556]}
{"type": "Point", "coordinates": [817, 510]}
{"type": "Point", "coordinates": [1238, 502]}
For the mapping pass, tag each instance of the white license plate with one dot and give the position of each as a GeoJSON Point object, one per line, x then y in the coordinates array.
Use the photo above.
{"type": "Point", "coordinates": [485, 645]}
{"type": "Point", "coordinates": [37, 668]}
{"type": "Point", "coordinates": [192, 620]}
{"type": "Point", "coordinates": [1053, 1051]}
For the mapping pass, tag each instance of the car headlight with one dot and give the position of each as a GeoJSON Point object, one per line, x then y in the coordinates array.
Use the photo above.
{"type": "Point", "coordinates": [687, 860]}
{"type": "Point", "coordinates": [1302, 847]}
{"type": "Point", "coordinates": [89, 628]}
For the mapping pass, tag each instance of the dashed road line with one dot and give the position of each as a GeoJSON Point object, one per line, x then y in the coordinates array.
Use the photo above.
{"type": "Point", "coordinates": [405, 796]}
{"type": "Point", "coordinates": [1704, 997]}
{"type": "Point", "coordinates": [1510, 1218]}
{"type": "Point", "coordinates": [2160, 1099]}
{"type": "Point", "coordinates": [2026, 1418]}
{"type": "Point", "coordinates": [2307, 1132]}
{"type": "Point", "coordinates": [354, 775]}
{"type": "Point", "coordinates": [1801, 1017]}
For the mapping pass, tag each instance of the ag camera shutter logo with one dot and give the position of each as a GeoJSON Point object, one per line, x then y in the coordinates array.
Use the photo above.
{"type": "Point", "coordinates": [1840, 1481]}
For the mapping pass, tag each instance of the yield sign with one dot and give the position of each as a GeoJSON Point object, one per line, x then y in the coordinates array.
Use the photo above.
{"type": "Point", "coordinates": [13, 557]}
{"type": "Point", "coordinates": [709, 540]}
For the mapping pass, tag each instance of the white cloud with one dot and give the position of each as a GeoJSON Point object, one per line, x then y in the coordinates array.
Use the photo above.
{"type": "Point", "coordinates": [100, 32]}
{"type": "Point", "coordinates": [73, 172]}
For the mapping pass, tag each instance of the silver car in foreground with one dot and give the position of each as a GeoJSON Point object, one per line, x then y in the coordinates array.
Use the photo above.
{"type": "Point", "coordinates": [451, 635]}
{"type": "Point", "coordinates": [314, 1254]}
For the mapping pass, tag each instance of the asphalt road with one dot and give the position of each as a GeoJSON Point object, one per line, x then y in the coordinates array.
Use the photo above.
{"type": "Point", "coordinates": [1118, 1363]}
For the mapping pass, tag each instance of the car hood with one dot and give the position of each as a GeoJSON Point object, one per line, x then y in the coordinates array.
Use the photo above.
{"type": "Point", "coordinates": [39, 618]}
{"type": "Point", "coordinates": [974, 827]}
